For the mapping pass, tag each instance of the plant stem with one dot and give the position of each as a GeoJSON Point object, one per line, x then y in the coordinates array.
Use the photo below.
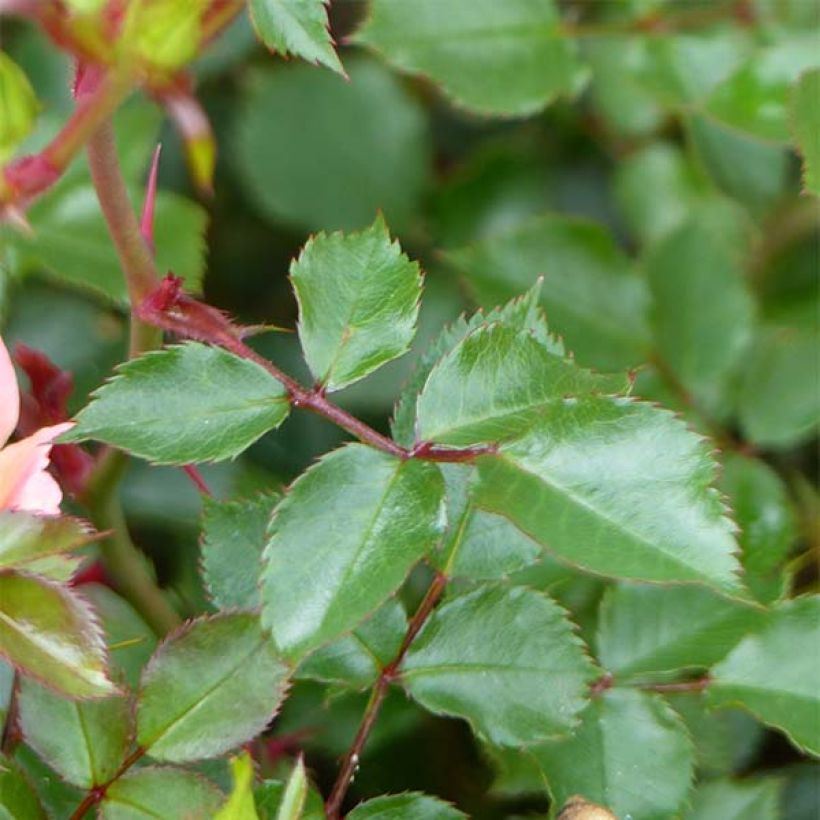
{"type": "Point", "coordinates": [97, 793]}
{"type": "Point", "coordinates": [11, 732]}
{"type": "Point", "coordinates": [377, 696]}
{"type": "Point", "coordinates": [697, 685]}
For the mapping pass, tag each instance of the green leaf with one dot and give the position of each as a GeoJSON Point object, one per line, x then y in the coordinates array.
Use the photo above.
{"type": "Point", "coordinates": [702, 309]}
{"type": "Point", "coordinates": [755, 98]}
{"type": "Point", "coordinates": [780, 394]}
{"type": "Point", "coordinates": [407, 806]}
{"type": "Point", "coordinates": [18, 107]}
{"type": "Point", "coordinates": [51, 634]}
{"type": "Point", "coordinates": [506, 58]}
{"type": "Point", "coordinates": [618, 487]}
{"type": "Point", "coordinates": [295, 794]}
{"type": "Point", "coordinates": [657, 629]}
{"type": "Point", "coordinates": [240, 804]}
{"type": "Point", "coordinates": [358, 303]}
{"type": "Point", "coordinates": [773, 672]}
{"type": "Point", "coordinates": [208, 688]}
{"type": "Point", "coordinates": [494, 383]}
{"type": "Point", "coordinates": [592, 295]}
{"type": "Point", "coordinates": [154, 791]}
{"type": "Point", "coordinates": [83, 741]}
{"type": "Point", "coordinates": [269, 795]}
{"type": "Point", "coordinates": [296, 27]}
{"type": "Point", "coordinates": [805, 126]}
{"type": "Point", "coordinates": [343, 540]}
{"type": "Point", "coordinates": [506, 660]}
{"type": "Point", "coordinates": [233, 537]}
{"type": "Point", "coordinates": [346, 150]}
{"type": "Point", "coordinates": [131, 642]}
{"type": "Point", "coordinates": [631, 754]}
{"type": "Point", "coordinates": [182, 404]}
{"type": "Point", "coordinates": [768, 529]}
{"type": "Point", "coordinates": [26, 538]}
{"type": "Point", "coordinates": [18, 800]}
{"type": "Point", "coordinates": [356, 660]}
{"type": "Point", "coordinates": [478, 545]}
{"type": "Point", "coordinates": [729, 800]}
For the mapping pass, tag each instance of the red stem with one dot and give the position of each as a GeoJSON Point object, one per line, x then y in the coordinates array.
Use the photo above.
{"type": "Point", "coordinates": [193, 473]}
{"type": "Point", "coordinates": [97, 793]}
{"type": "Point", "coordinates": [377, 696]}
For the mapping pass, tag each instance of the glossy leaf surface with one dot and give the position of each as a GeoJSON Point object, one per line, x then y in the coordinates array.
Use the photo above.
{"type": "Point", "coordinates": [51, 634]}
{"type": "Point", "coordinates": [617, 487]}
{"type": "Point", "coordinates": [358, 303]}
{"type": "Point", "coordinates": [183, 404]}
{"type": "Point", "coordinates": [208, 688]}
{"type": "Point", "coordinates": [342, 540]}
{"type": "Point", "coordinates": [506, 660]}
{"type": "Point", "coordinates": [408, 806]}
{"type": "Point", "coordinates": [728, 800]}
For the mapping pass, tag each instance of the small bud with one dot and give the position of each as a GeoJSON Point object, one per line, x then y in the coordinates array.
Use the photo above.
{"type": "Point", "coordinates": [18, 106]}
{"type": "Point", "coordinates": [166, 34]}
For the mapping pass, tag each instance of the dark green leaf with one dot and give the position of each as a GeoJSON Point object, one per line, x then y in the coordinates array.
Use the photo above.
{"type": "Point", "coordinates": [51, 634]}
{"type": "Point", "coordinates": [208, 688]}
{"type": "Point", "coordinates": [343, 540]}
{"type": "Point", "coordinates": [151, 792]}
{"type": "Point", "coordinates": [591, 294]}
{"type": "Point", "coordinates": [358, 303]}
{"type": "Point", "coordinates": [506, 58]}
{"type": "Point", "coordinates": [26, 538]}
{"type": "Point", "coordinates": [345, 150]}
{"type": "Point", "coordinates": [729, 800]}
{"type": "Point", "coordinates": [83, 741]}
{"type": "Point", "coordinates": [773, 672]}
{"type": "Point", "coordinates": [631, 754]}
{"type": "Point", "coordinates": [657, 629]}
{"type": "Point", "coordinates": [494, 383]}
{"type": "Point", "coordinates": [506, 660]}
{"type": "Point", "coordinates": [233, 537]}
{"type": "Point", "coordinates": [805, 123]}
{"type": "Point", "coordinates": [18, 800]}
{"type": "Point", "coordinates": [407, 806]}
{"type": "Point", "coordinates": [183, 404]}
{"type": "Point", "coordinates": [296, 27]}
{"type": "Point", "coordinates": [702, 308]}
{"type": "Point", "coordinates": [618, 487]}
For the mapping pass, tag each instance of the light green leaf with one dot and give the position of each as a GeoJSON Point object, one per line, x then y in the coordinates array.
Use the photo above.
{"type": "Point", "coordinates": [755, 98]}
{"type": "Point", "coordinates": [358, 303]}
{"type": "Point", "coordinates": [702, 308]}
{"type": "Point", "coordinates": [506, 58]}
{"type": "Point", "coordinates": [657, 629]}
{"type": "Point", "coordinates": [183, 404]}
{"type": "Point", "coordinates": [18, 107]}
{"type": "Point", "coordinates": [269, 795]}
{"type": "Point", "coordinates": [356, 660]}
{"type": "Point", "coordinates": [805, 126]}
{"type": "Point", "coordinates": [407, 806]}
{"type": "Point", "coordinates": [18, 800]}
{"type": "Point", "coordinates": [618, 487]}
{"type": "Point", "coordinates": [208, 688]}
{"type": "Point", "coordinates": [343, 540]}
{"type": "Point", "coordinates": [592, 295]}
{"type": "Point", "coordinates": [296, 27]}
{"type": "Point", "coordinates": [233, 537]}
{"type": "Point", "coordinates": [346, 150]}
{"type": "Point", "coordinates": [764, 513]}
{"type": "Point", "coordinates": [240, 804]}
{"type": "Point", "coordinates": [774, 671]}
{"type": "Point", "coordinates": [495, 382]}
{"type": "Point", "coordinates": [729, 800]}
{"type": "Point", "coordinates": [154, 791]}
{"type": "Point", "coordinates": [504, 659]}
{"type": "Point", "coordinates": [83, 741]}
{"type": "Point", "coordinates": [631, 754]}
{"type": "Point", "coordinates": [51, 634]}
{"type": "Point", "coordinates": [26, 538]}
{"type": "Point", "coordinates": [295, 794]}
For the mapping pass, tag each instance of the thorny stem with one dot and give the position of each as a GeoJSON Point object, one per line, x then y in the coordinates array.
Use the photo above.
{"type": "Point", "coordinates": [377, 696]}
{"type": "Point", "coordinates": [97, 793]}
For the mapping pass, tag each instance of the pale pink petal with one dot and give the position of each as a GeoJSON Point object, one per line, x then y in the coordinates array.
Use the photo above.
{"type": "Point", "coordinates": [24, 483]}
{"type": "Point", "coordinates": [9, 396]}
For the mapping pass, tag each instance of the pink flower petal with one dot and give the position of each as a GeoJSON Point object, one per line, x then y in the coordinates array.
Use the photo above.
{"type": "Point", "coordinates": [24, 482]}
{"type": "Point", "coordinates": [9, 396]}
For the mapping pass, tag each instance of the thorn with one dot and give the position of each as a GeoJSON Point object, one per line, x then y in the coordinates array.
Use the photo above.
{"type": "Point", "coordinates": [148, 205]}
